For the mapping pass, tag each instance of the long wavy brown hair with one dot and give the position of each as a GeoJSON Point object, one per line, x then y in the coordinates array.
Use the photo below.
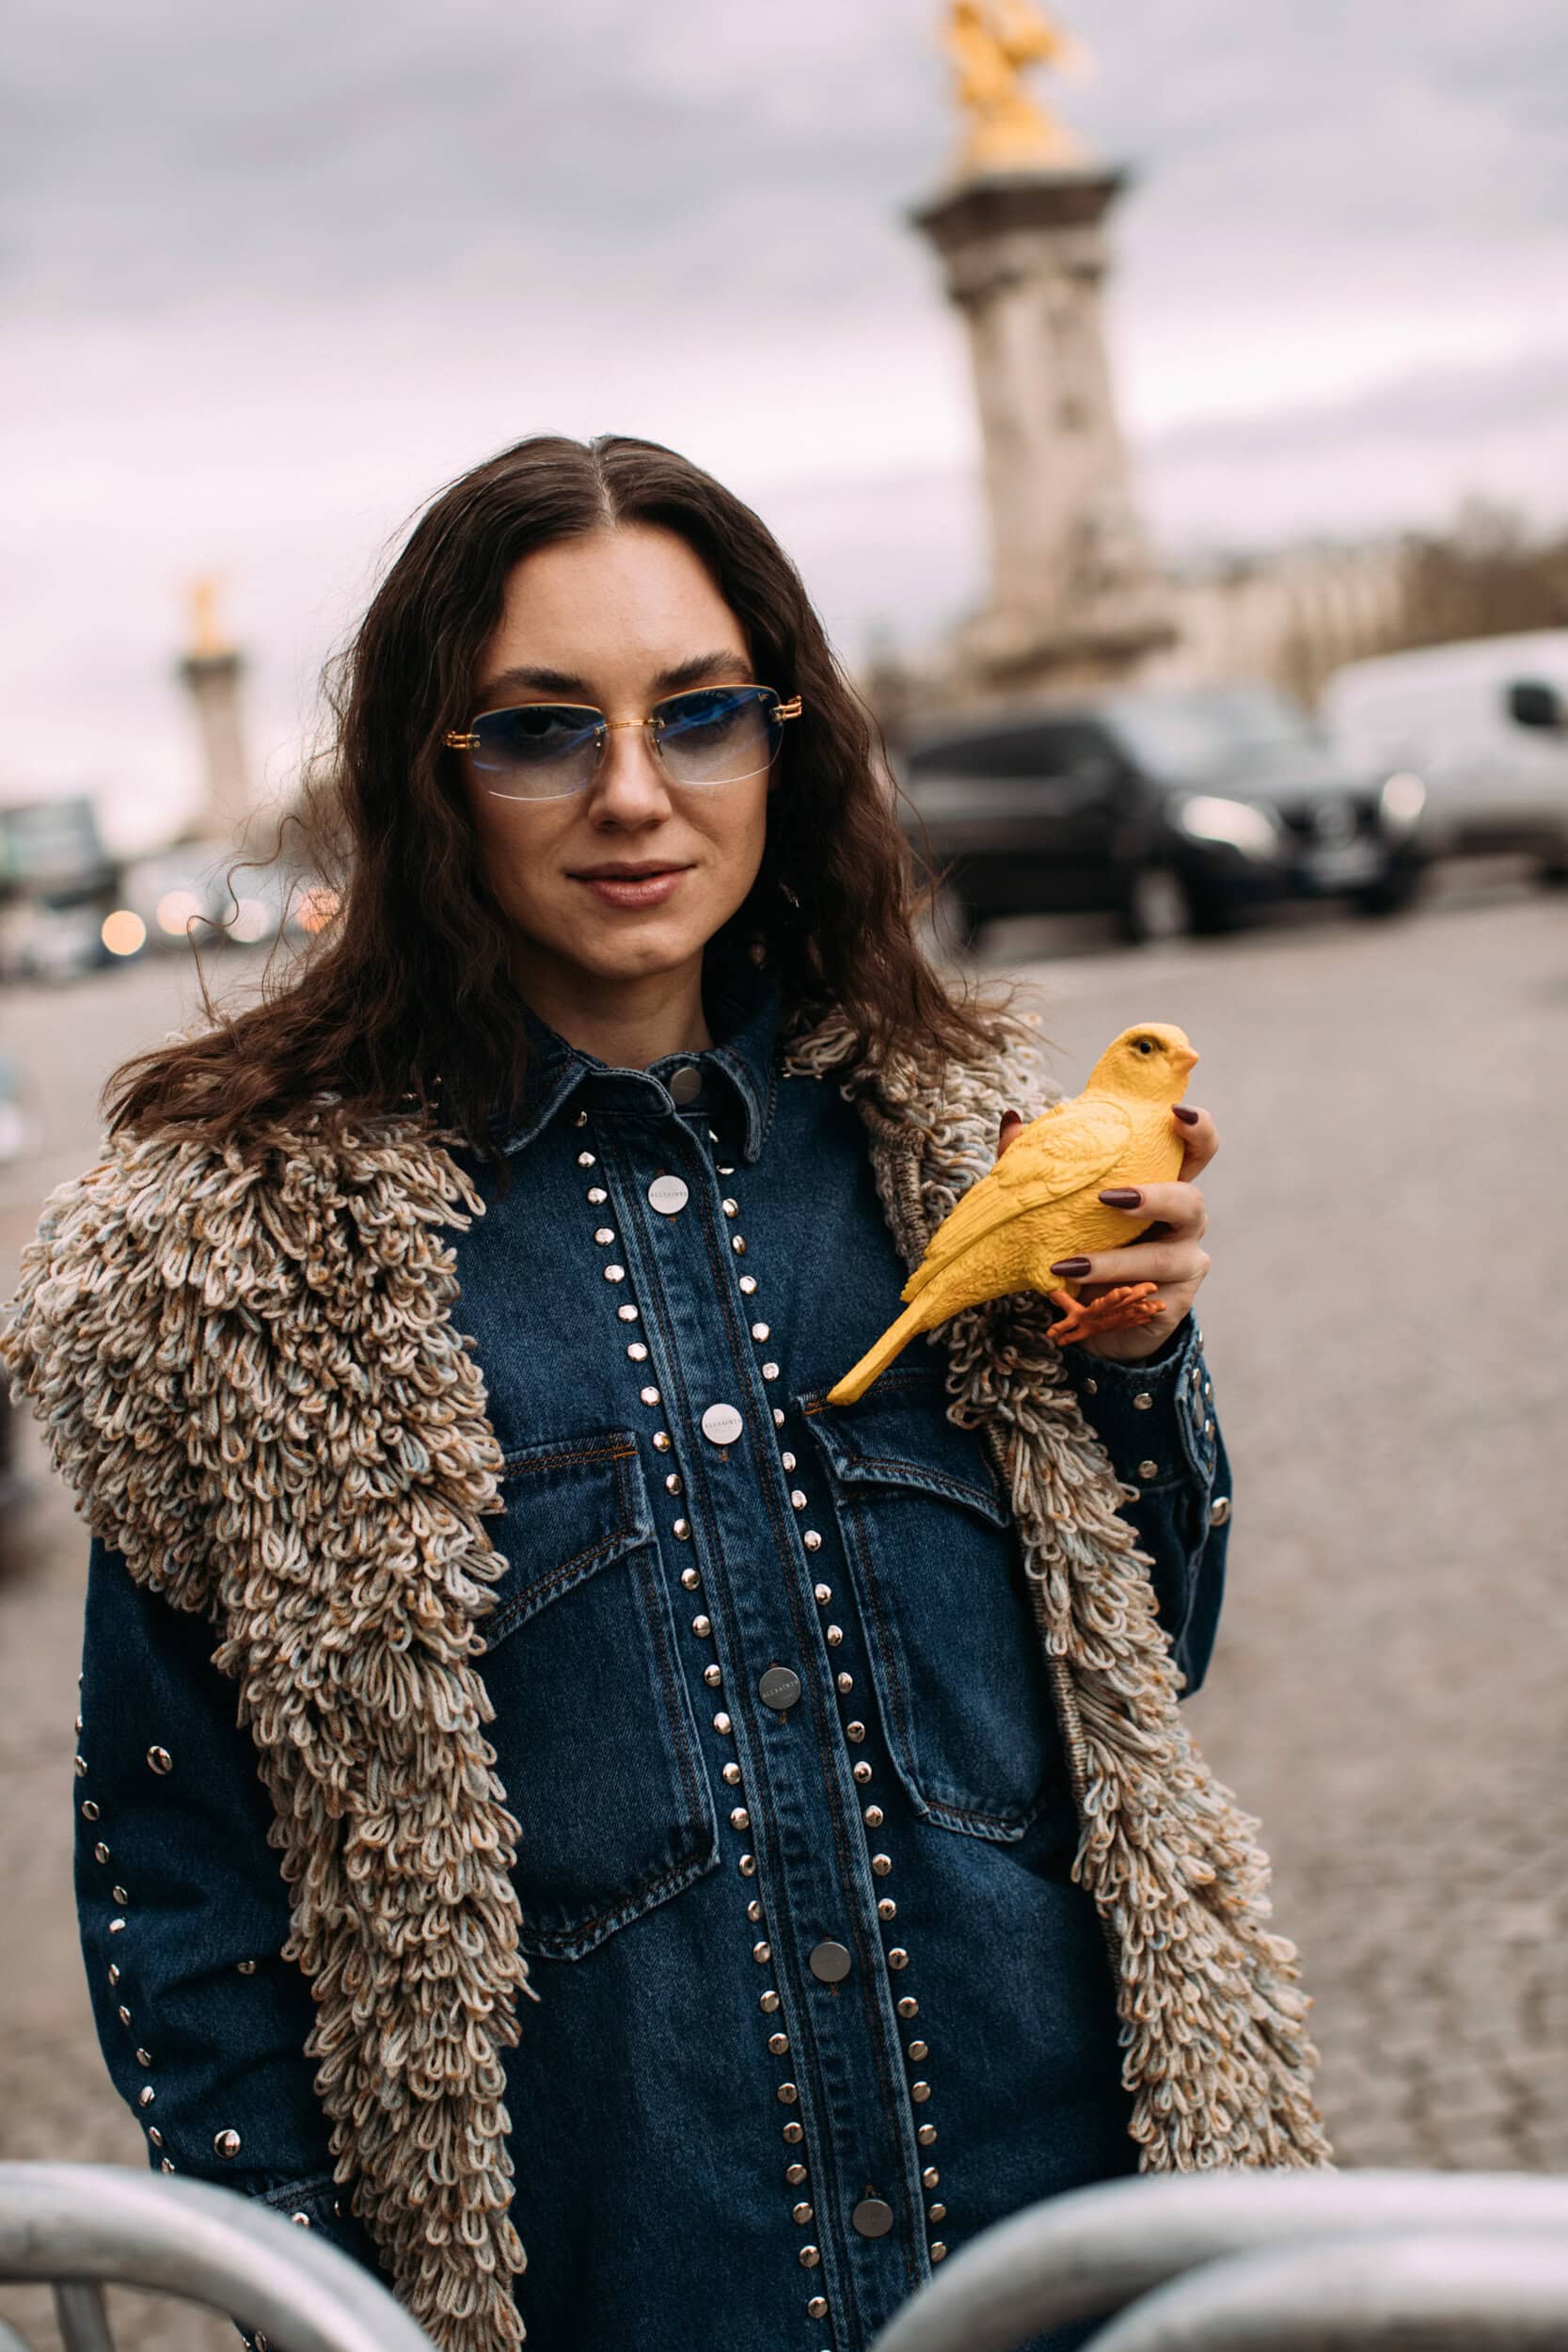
{"type": "Point", "coordinates": [406, 997]}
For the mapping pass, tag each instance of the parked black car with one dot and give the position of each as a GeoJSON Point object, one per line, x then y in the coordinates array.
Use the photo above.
{"type": "Point", "coordinates": [1171, 809]}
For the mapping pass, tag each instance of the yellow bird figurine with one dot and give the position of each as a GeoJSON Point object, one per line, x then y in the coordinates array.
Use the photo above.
{"type": "Point", "coordinates": [1037, 1205]}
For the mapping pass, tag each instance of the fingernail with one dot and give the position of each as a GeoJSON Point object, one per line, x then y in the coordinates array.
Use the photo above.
{"type": "Point", "coordinates": [1071, 1265]}
{"type": "Point", "coordinates": [1121, 1197]}
{"type": "Point", "coordinates": [1188, 1118]}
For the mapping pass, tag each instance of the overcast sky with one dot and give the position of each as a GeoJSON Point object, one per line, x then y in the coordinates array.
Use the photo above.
{"type": "Point", "coordinates": [271, 274]}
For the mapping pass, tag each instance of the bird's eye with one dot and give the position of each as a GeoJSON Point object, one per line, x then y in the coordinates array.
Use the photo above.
{"type": "Point", "coordinates": [1143, 1045]}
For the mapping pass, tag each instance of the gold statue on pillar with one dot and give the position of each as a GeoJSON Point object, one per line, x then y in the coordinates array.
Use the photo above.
{"type": "Point", "coordinates": [208, 642]}
{"type": "Point", "coordinates": [990, 41]}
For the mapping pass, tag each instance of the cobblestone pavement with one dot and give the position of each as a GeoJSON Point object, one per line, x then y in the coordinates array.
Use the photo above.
{"type": "Point", "coordinates": [1383, 1325]}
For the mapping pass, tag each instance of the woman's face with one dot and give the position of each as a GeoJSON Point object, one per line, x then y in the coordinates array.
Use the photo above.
{"type": "Point", "coordinates": [620, 618]}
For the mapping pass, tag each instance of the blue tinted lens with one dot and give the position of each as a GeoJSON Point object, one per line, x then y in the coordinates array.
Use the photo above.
{"type": "Point", "coordinates": [539, 749]}
{"type": "Point", "coordinates": [718, 734]}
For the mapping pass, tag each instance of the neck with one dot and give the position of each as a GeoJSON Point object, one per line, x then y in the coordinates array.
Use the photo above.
{"type": "Point", "coordinates": [625, 1023]}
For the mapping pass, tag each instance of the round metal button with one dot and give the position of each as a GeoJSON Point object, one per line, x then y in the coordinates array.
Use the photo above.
{"type": "Point", "coordinates": [872, 2216]}
{"type": "Point", "coordinates": [668, 1195]}
{"type": "Point", "coordinates": [1219, 1510]}
{"type": "Point", "coordinates": [723, 1425]}
{"type": "Point", "coordinates": [685, 1083]}
{"type": "Point", "coordinates": [829, 1963]}
{"type": "Point", "coordinates": [780, 1687]}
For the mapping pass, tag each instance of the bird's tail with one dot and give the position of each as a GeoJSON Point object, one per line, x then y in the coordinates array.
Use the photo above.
{"type": "Point", "coordinates": [877, 1359]}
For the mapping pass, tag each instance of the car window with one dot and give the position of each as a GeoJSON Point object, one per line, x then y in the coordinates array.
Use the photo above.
{"type": "Point", "coordinates": [1186, 732]}
{"type": "Point", "coordinates": [1026, 751]}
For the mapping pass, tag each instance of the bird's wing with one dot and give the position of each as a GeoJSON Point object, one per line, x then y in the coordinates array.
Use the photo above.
{"type": "Point", "coordinates": [1076, 1149]}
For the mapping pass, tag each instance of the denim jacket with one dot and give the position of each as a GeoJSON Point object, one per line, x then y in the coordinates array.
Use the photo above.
{"type": "Point", "coordinates": [817, 1997]}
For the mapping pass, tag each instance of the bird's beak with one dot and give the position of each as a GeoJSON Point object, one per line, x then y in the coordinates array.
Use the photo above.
{"type": "Point", "coordinates": [1189, 1059]}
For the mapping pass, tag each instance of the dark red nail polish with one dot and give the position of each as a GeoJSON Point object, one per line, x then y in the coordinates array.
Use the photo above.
{"type": "Point", "coordinates": [1188, 1118]}
{"type": "Point", "coordinates": [1070, 1266]}
{"type": "Point", "coordinates": [1121, 1197]}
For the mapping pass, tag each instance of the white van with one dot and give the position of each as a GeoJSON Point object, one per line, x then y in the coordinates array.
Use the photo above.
{"type": "Point", "coordinates": [1484, 725]}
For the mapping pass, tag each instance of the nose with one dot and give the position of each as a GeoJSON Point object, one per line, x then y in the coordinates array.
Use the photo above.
{"type": "Point", "coordinates": [630, 782]}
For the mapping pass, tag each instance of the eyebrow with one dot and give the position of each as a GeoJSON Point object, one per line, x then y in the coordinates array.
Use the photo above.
{"type": "Point", "coordinates": [703, 669]}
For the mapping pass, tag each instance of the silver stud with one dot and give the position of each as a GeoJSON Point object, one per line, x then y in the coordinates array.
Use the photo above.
{"type": "Point", "coordinates": [834, 1635]}
{"type": "Point", "coordinates": [1143, 1402]}
{"type": "Point", "coordinates": [862, 1771]}
{"type": "Point", "coordinates": [801, 2213]}
{"type": "Point", "coordinates": [124, 2014]}
{"type": "Point", "coordinates": [854, 1731]}
{"type": "Point", "coordinates": [920, 2051]}
{"type": "Point", "coordinates": [245, 1967]}
{"type": "Point", "coordinates": [661, 1442]}
{"type": "Point", "coordinates": [225, 2143]}
{"type": "Point", "coordinates": [681, 1530]}
{"type": "Point", "coordinates": [778, 1417]}
{"type": "Point", "coordinates": [690, 1578]}
{"type": "Point", "coordinates": [598, 1194]}
{"type": "Point", "coordinates": [628, 1312]}
{"type": "Point", "coordinates": [1208, 1428]}
{"type": "Point", "coordinates": [845, 1684]}
{"type": "Point", "coordinates": [898, 1957]}
{"type": "Point", "coordinates": [649, 1395]}
{"type": "Point", "coordinates": [747, 1865]}
{"type": "Point", "coordinates": [809, 2254]}
{"type": "Point", "coordinates": [154, 2134]}
{"type": "Point", "coordinates": [120, 1895]}
{"type": "Point", "coordinates": [300, 2221]}
{"type": "Point", "coordinates": [812, 1540]}
{"type": "Point", "coordinates": [1149, 1470]}
{"type": "Point", "coordinates": [89, 1811]}
{"type": "Point", "coordinates": [1209, 1387]}
{"type": "Point", "coordinates": [794, 2174]}
{"type": "Point", "coordinates": [116, 1927]}
{"type": "Point", "coordinates": [114, 1973]}
{"type": "Point", "coordinates": [144, 2058]}
{"type": "Point", "coordinates": [817, 2307]}
{"type": "Point", "coordinates": [720, 1171]}
{"type": "Point", "coordinates": [767, 2002]}
{"type": "Point", "coordinates": [938, 2251]}
{"type": "Point", "coordinates": [754, 1912]}
{"type": "Point", "coordinates": [614, 1273]}
{"type": "Point", "coordinates": [101, 1852]}
{"type": "Point", "coordinates": [920, 2092]}
{"type": "Point", "coordinates": [763, 1952]}
{"type": "Point", "coordinates": [1219, 1510]}
{"type": "Point", "coordinates": [731, 1208]}
{"type": "Point", "coordinates": [701, 1626]}
{"type": "Point", "coordinates": [166, 2166]}
{"type": "Point", "coordinates": [873, 1817]}
{"type": "Point", "coordinates": [581, 1120]}
{"type": "Point", "coordinates": [823, 1595]}
{"type": "Point", "coordinates": [732, 1775]}
{"type": "Point", "coordinates": [936, 2213]}
{"type": "Point", "coordinates": [788, 1460]}
{"type": "Point", "coordinates": [637, 1352]}
{"type": "Point", "coordinates": [722, 1724]}
{"type": "Point", "coordinates": [778, 2043]}
{"type": "Point", "coordinates": [748, 1285]}
{"type": "Point", "coordinates": [586, 1159]}
{"type": "Point", "coordinates": [604, 1233]}
{"type": "Point", "coordinates": [79, 1723]}
{"type": "Point", "coordinates": [770, 1372]}
{"type": "Point", "coordinates": [797, 1499]}
{"type": "Point", "coordinates": [81, 1768]}
{"type": "Point", "coordinates": [738, 1243]}
{"type": "Point", "coordinates": [908, 2005]}
{"type": "Point", "coordinates": [671, 1482]}
{"type": "Point", "coordinates": [930, 2177]}
{"type": "Point", "coordinates": [762, 1331]}
{"type": "Point", "coordinates": [146, 2096]}
{"type": "Point", "coordinates": [739, 1817]}
{"type": "Point", "coordinates": [1091, 1388]}
{"type": "Point", "coordinates": [787, 2095]}
{"type": "Point", "coordinates": [887, 1908]}
{"type": "Point", "coordinates": [713, 1677]}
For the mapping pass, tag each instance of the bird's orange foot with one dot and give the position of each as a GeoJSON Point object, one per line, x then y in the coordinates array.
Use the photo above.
{"type": "Point", "coordinates": [1121, 1310]}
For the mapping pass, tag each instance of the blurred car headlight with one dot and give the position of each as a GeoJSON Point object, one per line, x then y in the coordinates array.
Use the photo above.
{"type": "Point", "coordinates": [176, 910]}
{"type": "Point", "coordinates": [1239, 823]}
{"type": "Point", "coordinates": [124, 933]}
{"type": "Point", "coordinates": [1402, 800]}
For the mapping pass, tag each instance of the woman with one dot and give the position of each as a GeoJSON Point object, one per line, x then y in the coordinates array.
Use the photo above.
{"type": "Point", "coordinates": [755, 1743]}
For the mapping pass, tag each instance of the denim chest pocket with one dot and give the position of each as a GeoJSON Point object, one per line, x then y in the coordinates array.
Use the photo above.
{"type": "Point", "coordinates": [954, 1653]}
{"type": "Point", "coordinates": [595, 1739]}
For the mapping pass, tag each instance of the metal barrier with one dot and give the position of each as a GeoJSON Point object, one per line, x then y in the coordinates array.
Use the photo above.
{"type": "Point", "coordinates": [81, 2227]}
{"type": "Point", "coordinates": [1301, 2261]}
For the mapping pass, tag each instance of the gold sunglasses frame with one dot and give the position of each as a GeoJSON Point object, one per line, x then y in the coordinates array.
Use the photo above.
{"type": "Point", "coordinates": [458, 739]}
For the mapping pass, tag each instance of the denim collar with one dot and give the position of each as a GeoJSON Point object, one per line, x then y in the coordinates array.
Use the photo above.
{"type": "Point", "coordinates": [738, 1071]}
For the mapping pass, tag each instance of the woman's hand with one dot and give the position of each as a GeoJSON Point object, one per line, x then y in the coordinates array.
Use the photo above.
{"type": "Point", "coordinates": [1169, 1254]}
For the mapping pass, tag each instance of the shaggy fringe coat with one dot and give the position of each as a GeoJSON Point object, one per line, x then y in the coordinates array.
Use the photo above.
{"type": "Point", "coordinates": [249, 1376]}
